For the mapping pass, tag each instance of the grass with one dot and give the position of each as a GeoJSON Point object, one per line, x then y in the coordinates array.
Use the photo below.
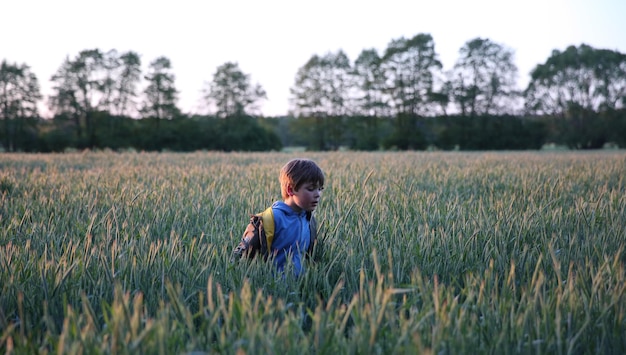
{"type": "Point", "coordinates": [423, 252]}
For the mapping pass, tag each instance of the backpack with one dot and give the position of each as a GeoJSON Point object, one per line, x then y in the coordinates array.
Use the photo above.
{"type": "Point", "coordinates": [259, 235]}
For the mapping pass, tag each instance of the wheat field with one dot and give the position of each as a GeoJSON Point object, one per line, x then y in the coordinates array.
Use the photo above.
{"type": "Point", "coordinates": [420, 252]}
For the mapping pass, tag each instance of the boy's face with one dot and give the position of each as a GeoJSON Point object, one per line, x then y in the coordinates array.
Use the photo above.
{"type": "Point", "coordinates": [306, 197]}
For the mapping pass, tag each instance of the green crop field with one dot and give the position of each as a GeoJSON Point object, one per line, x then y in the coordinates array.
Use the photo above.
{"type": "Point", "coordinates": [421, 252]}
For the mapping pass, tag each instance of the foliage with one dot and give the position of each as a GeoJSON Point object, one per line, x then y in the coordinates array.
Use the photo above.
{"type": "Point", "coordinates": [490, 133]}
{"type": "Point", "coordinates": [321, 86]}
{"type": "Point", "coordinates": [321, 96]}
{"type": "Point", "coordinates": [576, 88]}
{"type": "Point", "coordinates": [19, 93]}
{"type": "Point", "coordinates": [358, 133]}
{"type": "Point", "coordinates": [370, 81]}
{"type": "Point", "coordinates": [128, 75]}
{"type": "Point", "coordinates": [408, 133]}
{"type": "Point", "coordinates": [578, 78]}
{"type": "Point", "coordinates": [422, 253]}
{"type": "Point", "coordinates": [179, 134]}
{"type": "Point", "coordinates": [94, 82]}
{"type": "Point", "coordinates": [232, 93]}
{"type": "Point", "coordinates": [398, 100]}
{"type": "Point", "coordinates": [411, 67]}
{"type": "Point", "coordinates": [161, 93]}
{"type": "Point", "coordinates": [484, 79]}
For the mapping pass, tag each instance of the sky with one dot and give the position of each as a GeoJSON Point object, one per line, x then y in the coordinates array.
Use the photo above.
{"type": "Point", "coordinates": [271, 39]}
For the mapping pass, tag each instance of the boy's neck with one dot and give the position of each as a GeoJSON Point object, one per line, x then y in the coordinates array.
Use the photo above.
{"type": "Point", "coordinates": [292, 204]}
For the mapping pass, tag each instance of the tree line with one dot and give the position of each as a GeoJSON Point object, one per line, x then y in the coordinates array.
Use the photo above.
{"type": "Point", "coordinates": [401, 98]}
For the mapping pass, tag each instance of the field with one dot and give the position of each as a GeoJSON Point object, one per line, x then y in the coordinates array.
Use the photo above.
{"type": "Point", "coordinates": [422, 252]}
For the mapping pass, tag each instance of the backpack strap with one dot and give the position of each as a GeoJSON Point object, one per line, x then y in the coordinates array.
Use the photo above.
{"type": "Point", "coordinates": [267, 237]}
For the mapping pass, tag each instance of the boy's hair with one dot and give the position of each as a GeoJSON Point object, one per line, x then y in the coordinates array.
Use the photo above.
{"type": "Point", "coordinates": [298, 172]}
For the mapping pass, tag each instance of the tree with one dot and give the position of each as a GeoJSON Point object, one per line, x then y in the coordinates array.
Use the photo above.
{"type": "Point", "coordinates": [411, 67]}
{"type": "Point", "coordinates": [19, 94]}
{"type": "Point", "coordinates": [370, 102]}
{"type": "Point", "coordinates": [307, 93]}
{"type": "Point", "coordinates": [584, 77]}
{"type": "Point", "coordinates": [232, 93]}
{"type": "Point", "coordinates": [80, 91]}
{"type": "Point", "coordinates": [321, 91]}
{"type": "Point", "coordinates": [64, 102]}
{"type": "Point", "coordinates": [574, 87]}
{"type": "Point", "coordinates": [96, 81]}
{"type": "Point", "coordinates": [122, 74]}
{"type": "Point", "coordinates": [307, 98]}
{"type": "Point", "coordinates": [370, 82]}
{"type": "Point", "coordinates": [483, 80]}
{"type": "Point", "coordinates": [110, 66]}
{"type": "Point", "coordinates": [322, 86]}
{"type": "Point", "coordinates": [161, 93]}
{"type": "Point", "coordinates": [129, 78]}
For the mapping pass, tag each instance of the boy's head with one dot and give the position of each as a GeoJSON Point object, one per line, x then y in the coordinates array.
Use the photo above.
{"type": "Point", "coordinates": [298, 172]}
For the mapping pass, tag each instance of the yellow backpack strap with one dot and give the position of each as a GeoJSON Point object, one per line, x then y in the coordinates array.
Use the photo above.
{"type": "Point", "coordinates": [267, 217]}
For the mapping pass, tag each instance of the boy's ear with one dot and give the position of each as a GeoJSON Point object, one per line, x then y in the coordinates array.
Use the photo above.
{"type": "Point", "coordinates": [289, 190]}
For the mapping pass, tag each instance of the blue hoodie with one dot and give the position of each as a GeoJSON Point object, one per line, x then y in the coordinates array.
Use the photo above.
{"type": "Point", "coordinates": [292, 236]}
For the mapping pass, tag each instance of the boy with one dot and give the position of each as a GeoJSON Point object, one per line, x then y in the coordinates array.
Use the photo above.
{"type": "Point", "coordinates": [287, 230]}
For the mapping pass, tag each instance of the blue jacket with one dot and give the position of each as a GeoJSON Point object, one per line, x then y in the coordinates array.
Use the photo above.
{"type": "Point", "coordinates": [292, 237]}
{"type": "Point", "coordinates": [281, 234]}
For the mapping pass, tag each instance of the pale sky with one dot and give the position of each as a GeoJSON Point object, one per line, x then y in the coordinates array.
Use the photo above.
{"type": "Point", "coordinates": [272, 39]}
